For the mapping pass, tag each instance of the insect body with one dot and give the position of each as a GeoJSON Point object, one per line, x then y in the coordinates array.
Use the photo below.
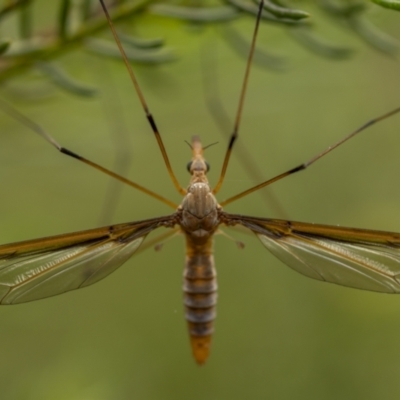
{"type": "Point", "coordinates": [199, 217]}
{"type": "Point", "coordinates": [41, 268]}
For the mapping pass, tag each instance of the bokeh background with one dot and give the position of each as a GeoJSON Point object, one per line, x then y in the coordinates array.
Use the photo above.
{"type": "Point", "coordinates": [278, 334]}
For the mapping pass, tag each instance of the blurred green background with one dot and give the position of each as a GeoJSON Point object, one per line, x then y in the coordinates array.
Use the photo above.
{"type": "Point", "coordinates": [278, 334]}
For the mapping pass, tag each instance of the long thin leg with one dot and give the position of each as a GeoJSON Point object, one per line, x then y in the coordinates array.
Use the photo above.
{"type": "Point", "coordinates": [40, 131]}
{"type": "Point", "coordinates": [149, 116]}
{"type": "Point", "coordinates": [303, 166]}
{"type": "Point", "coordinates": [235, 132]}
{"type": "Point", "coordinates": [216, 109]}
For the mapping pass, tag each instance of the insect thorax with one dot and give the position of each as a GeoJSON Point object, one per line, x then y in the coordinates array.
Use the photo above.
{"type": "Point", "coordinates": [199, 208]}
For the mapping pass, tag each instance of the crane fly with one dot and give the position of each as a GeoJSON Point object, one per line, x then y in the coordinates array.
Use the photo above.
{"type": "Point", "coordinates": [40, 268]}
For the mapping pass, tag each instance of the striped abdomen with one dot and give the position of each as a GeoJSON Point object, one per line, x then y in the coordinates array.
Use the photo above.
{"type": "Point", "coordinates": [200, 298]}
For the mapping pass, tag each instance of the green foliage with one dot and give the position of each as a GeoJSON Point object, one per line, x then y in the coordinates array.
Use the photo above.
{"type": "Point", "coordinates": [390, 4]}
{"type": "Point", "coordinates": [77, 22]}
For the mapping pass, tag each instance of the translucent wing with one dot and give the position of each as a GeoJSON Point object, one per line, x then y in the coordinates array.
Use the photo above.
{"type": "Point", "coordinates": [357, 258]}
{"type": "Point", "coordinates": [46, 267]}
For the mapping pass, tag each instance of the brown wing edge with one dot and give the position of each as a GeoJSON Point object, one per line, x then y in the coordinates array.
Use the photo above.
{"type": "Point", "coordinates": [124, 231]}
{"type": "Point", "coordinates": [279, 228]}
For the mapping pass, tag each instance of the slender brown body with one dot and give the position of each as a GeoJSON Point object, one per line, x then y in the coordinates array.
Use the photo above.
{"type": "Point", "coordinates": [199, 219]}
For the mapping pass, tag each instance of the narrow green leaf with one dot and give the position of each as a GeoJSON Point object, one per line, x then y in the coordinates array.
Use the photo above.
{"type": "Point", "coordinates": [373, 36]}
{"type": "Point", "coordinates": [252, 8]}
{"type": "Point", "coordinates": [283, 12]}
{"type": "Point", "coordinates": [342, 10]}
{"type": "Point", "coordinates": [203, 14]}
{"type": "Point", "coordinates": [65, 7]}
{"type": "Point", "coordinates": [391, 4]}
{"type": "Point", "coordinates": [63, 81]}
{"type": "Point", "coordinates": [146, 56]}
{"type": "Point", "coordinates": [141, 43]}
{"type": "Point", "coordinates": [25, 21]}
{"type": "Point", "coordinates": [318, 45]}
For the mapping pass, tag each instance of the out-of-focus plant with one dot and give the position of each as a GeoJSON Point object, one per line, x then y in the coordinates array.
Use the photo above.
{"type": "Point", "coordinates": [79, 21]}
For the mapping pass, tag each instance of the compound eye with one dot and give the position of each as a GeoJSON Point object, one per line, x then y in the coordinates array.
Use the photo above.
{"type": "Point", "coordinates": [189, 165]}
{"type": "Point", "coordinates": [207, 166]}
